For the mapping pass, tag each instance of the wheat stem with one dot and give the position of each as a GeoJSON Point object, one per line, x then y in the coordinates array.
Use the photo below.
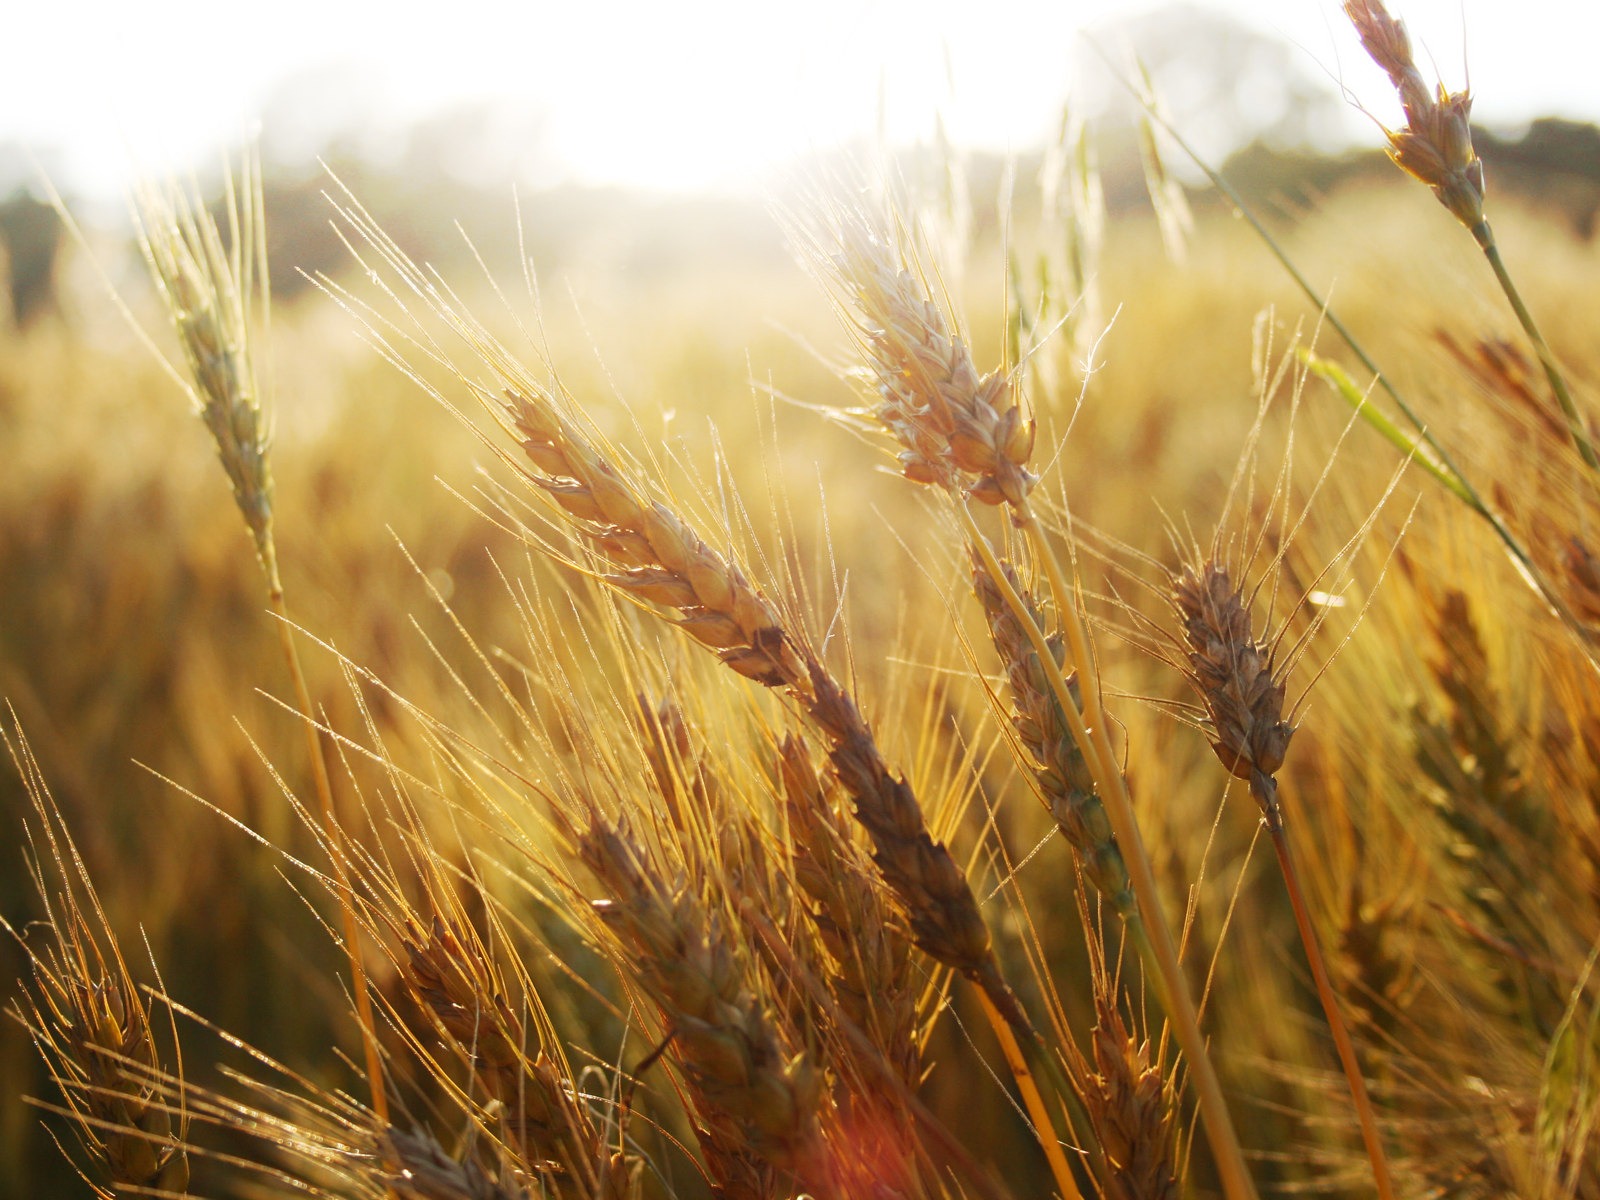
{"type": "Point", "coordinates": [1152, 934]}
{"type": "Point", "coordinates": [1043, 1126]}
{"type": "Point", "coordinates": [335, 835]}
{"type": "Point", "coordinates": [1330, 1007]}
{"type": "Point", "coordinates": [1547, 359]}
{"type": "Point", "coordinates": [1522, 559]}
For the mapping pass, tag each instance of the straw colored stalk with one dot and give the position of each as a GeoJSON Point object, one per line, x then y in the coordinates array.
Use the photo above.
{"type": "Point", "coordinates": [1242, 693]}
{"type": "Point", "coordinates": [87, 1018]}
{"type": "Point", "coordinates": [650, 554]}
{"type": "Point", "coordinates": [1435, 147]}
{"type": "Point", "coordinates": [965, 434]}
{"type": "Point", "coordinates": [657, 558]}
{"type": "Point", "coordinates": [214, 295]}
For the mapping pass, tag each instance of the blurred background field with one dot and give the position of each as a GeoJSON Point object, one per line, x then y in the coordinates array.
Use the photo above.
{"type": "Point", "coordinates": [1445, 787]}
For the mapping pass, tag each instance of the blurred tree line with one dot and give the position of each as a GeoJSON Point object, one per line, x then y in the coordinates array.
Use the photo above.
{"type": "Point", "coordinates": [1243, 97]}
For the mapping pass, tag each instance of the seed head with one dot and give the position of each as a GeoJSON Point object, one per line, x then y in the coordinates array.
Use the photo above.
{"type": "Point", "coordinates": [1234, 675]}
{"type": "Point", "coordinates": [957, 429]}
{"type": "Point", "coordinates": [1436, 144]}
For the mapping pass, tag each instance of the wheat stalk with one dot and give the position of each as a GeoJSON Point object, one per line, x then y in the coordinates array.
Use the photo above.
{"type": "Point", "coordinates": [212, 292]}
{"type": "Point", "coordinates": [965, 434]}
{"type": "Point", "coordinates": [1435, 147]}
{"type": "Point", "coordinates": [1242, 690]}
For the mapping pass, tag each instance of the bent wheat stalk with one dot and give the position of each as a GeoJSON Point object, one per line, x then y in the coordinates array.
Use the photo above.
{"type": "Point", "coordinates": [648, 552]}
{"type": "Point", "coordinates": [1435, 458]}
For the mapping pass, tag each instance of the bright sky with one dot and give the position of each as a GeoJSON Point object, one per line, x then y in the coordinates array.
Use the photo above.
{"type": "Point", "coordinates": [675, 95]}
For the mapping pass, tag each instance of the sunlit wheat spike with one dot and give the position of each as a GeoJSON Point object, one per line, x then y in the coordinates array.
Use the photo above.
{"type": "Point", "coordinates": [541, 1119]}
{"type": "Point", "coordinates": [655, 555]}
{"type": "Point", "coordinates": [957, 428]}
{"type": "Point", "coordinates": [658, 557]}
{"type": "Point", "coordinates": [418, 1168]}
{"type": "Point", "coordinates": [213, 291]}
{"type": "Point", "coordinates": [664, 561]}
{"type": "Point", "coordinates": [868, 943]}
{"type": "Point", "coordinates": [1235, 677]}
{"type": "Point", "coordinates": [1133, 1108]}
{"type": "Point", "coordinates": [945, 920]}
{"type": "Point", "coordinates": [87, 1017]}
{"type": "Point", "coordinates": [757, 1098]}
{"type": "Point", "coordinates": [1435, 146]}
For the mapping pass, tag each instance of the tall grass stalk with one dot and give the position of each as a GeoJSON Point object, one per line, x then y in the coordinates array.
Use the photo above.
{"type": "Point", "coordinates": [1438, 462]}
{"type": "Point", "coordinates": [215, 294]}
{"type": "Point", "coordinates": [965, 434]}
{"type": "Point", "coordinates": [1242, 689]}
{"type": "Point", "coordinates": [1435, 148]}
{"type": "Point", "coordinates": [1148, 926]}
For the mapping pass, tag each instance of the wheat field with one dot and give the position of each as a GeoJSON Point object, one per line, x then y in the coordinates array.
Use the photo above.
{"type": "Point", "coordinates": [918, 698]}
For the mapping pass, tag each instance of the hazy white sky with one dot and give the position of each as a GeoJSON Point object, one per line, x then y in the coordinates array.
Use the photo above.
{"type": "Point", "coordinates": [672, 95]}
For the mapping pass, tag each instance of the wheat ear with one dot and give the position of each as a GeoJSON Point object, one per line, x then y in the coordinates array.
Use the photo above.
{"type": "Point", "coordinates": [212, 292]}
{"type": "Point", "coordinates": [757, 1098]}
{"type": "Point", "coordinates": [1435, 147]}
{"type": "Point", "coordinates": [658, 558]}
{"type": "Point", "coordinates": [542, 1120]}
{"type": "Point", "coordinates": [916, 366]}
{"type": "Point", "coordinates": [863, 936]}
{"type": "Point", "coordinates": [1060, 770]}
{"type": "Point", "coordinates": [1242, 691]}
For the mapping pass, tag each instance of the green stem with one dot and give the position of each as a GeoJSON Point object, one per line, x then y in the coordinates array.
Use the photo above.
{"type": "Point", "coordinates": [1558, 383]}
{"type": "Point", "coordinates": [1474, 501]}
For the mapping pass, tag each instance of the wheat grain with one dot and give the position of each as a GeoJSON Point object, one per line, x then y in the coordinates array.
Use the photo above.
{"type": "Point", "coordinates": [1059, 768]}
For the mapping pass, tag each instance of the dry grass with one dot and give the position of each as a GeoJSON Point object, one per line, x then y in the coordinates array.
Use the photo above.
{"type": "Point", "coordinates": [691, 825]}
